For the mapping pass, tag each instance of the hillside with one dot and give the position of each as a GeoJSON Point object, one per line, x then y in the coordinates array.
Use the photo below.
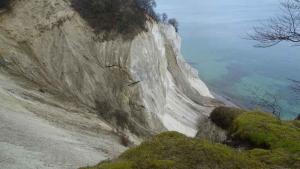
{"type": "Point", "coordinates": [70, 90]}
{"type": "Point", "coordinates": [271, 144]}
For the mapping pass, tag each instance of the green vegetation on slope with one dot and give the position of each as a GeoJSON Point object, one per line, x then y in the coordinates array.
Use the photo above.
{"type": "Point", "coordinates": [280, 139]}
{"type": "Point", "coordinates": [275, 145]}
{"type": "Point", "coordinates": [263, 130]}
{"type": "Point", "coordinates": [119, 17]}
{"type": "Point", "coordinates": [172, 150]}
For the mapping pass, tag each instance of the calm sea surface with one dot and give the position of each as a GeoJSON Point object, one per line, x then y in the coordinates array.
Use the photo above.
{"type": "Point", "coordinates": [213, 36]}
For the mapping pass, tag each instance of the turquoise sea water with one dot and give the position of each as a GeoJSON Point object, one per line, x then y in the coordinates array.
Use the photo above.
{"type": "Point", "coordinates": [213, 36]}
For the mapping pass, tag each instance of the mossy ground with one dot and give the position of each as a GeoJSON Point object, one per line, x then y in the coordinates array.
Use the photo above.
{"type": "Point", "coordinates": [172, 150]}
{"type": "Point", "coordinates": [263, 130]}
{"type": "Point", "coordinates": [280, 141]}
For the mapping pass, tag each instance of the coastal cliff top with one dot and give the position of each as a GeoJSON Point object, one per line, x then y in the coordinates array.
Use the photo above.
{"type": "Point", "coordinates": [271, 144]}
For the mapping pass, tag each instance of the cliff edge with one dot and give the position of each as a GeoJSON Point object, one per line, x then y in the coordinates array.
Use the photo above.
{"type": "Point", "coordinates": [63, 84]}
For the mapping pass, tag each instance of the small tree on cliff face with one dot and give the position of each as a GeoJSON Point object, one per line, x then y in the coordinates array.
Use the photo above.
{"type": "Point", "coordinates": [280, 28]}
{"type": "Point", "coordinates": [174, 23]}
{"type": "Point", "coordinates": [146, 5]}
{"type": "Point", "coordinates": [164, 18]}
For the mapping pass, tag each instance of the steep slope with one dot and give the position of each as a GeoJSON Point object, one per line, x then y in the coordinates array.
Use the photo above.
{"type": "Point", "coordinates": [261, 142]}
{"type": "Point", "coordinates": [57, 69]}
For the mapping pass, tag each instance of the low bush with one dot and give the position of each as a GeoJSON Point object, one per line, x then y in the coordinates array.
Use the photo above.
{"type": "Point", "coordinates": [224, 116]}
{"type": "Point", "coordinates": [125, 17]}
{"type": "Point", "coordinates": [174, 23]}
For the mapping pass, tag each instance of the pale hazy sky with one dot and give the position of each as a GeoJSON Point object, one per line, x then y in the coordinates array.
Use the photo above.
{"type": "Point", "coordinates": [187, 10]}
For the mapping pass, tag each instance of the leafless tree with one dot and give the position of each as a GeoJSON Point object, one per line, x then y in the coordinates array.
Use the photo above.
{"type": "Point", "coordinates": [267, 101]}
{"type": "Point", "coordinates": [280, 28]}
{"type": "Point", "coordinates": [295, 85]}
{"type": "Point", "coordinates": [284, 27]}
{"type": "Point", "coordinates": [164, 18]}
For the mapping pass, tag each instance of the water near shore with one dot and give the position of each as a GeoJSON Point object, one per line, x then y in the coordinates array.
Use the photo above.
{"type": "Point", "coordinates": [213, 34]}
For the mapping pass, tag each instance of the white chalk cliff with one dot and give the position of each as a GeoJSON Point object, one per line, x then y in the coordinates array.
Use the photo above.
{"type": "Point", "coordinates": [57, 79]}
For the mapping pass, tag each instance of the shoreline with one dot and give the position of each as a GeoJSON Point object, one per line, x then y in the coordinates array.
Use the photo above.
{"type": "Point", "coordinates": [224, 99]}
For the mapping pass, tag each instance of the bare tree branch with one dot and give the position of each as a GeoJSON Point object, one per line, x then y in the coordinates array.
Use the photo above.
{"type": "Point", "coordinates": [267, 101]}
{"type": "Point", "coordinates": [295, 85]}
{"type": "Point", "coordinates": [281, 28]}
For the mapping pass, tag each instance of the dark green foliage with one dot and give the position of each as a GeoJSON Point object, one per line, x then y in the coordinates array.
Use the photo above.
{"type": "Point", "coordinates": [164, 18]}
{"type": "Point", "coordinates": [127, 17]}
{"type": "Point", "coordinates": [172, 150]}
{"type": "Point", "coordinates": [4, 4]}
{"type": "Point", "coordinates": [174, 23]}
{"type": "Point", "coordinates": [147, 6]}
{"type": "Point", "coordinates": [224, 116]}
{"type": "Point", "coordinates": [121, 16]}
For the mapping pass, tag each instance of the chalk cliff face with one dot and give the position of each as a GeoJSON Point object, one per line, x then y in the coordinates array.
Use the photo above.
{"type": "Point", "coordinates": [61, 82]}
{"type": "Point", "coordinates": [47, 44]}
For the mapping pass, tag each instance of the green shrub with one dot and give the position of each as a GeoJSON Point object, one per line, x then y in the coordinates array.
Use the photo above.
{"type": "Point", "coordinates": [172, 150]}
{"type": "Point", "coordinates": [174, 23]}
{"type": "Point", "coordinates": [127, 17]}
{"type": "Point", "coordinates": [224, 116]}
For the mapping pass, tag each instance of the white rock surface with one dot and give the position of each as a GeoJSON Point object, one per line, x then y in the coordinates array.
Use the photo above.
{"type": "Point", "coordinates": [59, 75]}
{"type": "Point", "coordinates": [41, 135]}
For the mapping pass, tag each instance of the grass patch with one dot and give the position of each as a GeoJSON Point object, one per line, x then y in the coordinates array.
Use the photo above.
{"type": "Point", "coordinates": [172, 150]}
{"type": "Point", "coordinates": [278, 158]}
{"type": "Point", "coordinates": [264, 130]}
